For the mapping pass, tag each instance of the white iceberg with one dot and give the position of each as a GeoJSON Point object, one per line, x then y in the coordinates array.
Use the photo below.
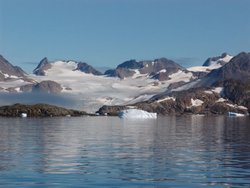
{"type": "Point", "coordinates": [136, 114]}
{"type": "Point", "coordinates": [24, 115]}
{"type": "Point", "coordinates": [234, 114]}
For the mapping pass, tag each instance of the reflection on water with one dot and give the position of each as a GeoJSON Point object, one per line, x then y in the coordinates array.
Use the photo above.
{"type": "Point", "coordinates": [185, 151]}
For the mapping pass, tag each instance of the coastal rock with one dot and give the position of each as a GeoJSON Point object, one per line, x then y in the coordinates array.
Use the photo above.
{"type": "Point", "coordinates": [111, 110]}
{"type": "Point", "coordinates": [38, 110]}
{"type": "Point", "coordinates": [193, 101]}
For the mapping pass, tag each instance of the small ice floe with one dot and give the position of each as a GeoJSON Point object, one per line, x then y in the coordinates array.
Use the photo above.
{"type": "Point", "coordinates": [234, 114]}
{"type": "Point", "coordinates": [136, 114]}
{"type": "Point", "coordinates": [23, 115]}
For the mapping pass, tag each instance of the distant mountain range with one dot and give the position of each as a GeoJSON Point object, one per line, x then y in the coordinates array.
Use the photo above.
{"type": "Point", "coordinates": [161, 85]}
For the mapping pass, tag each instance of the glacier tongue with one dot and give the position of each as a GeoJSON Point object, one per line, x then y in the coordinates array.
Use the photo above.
{"type": "Point", "coordinates": [137, 114]}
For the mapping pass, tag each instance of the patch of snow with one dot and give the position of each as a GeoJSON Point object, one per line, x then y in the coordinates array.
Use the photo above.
{"type": "Point", "coordinates": [165, 99]}
{"type": "Point", "coordinates": [136, 114]}
{"type": "Point", "coordinates": [12, 76]}
{"type": "Point", "coordinates": [162, 71]}
{"type": "Point", "coordinates": [6, 75]}
{"type": "Point", "coordinates": [221, 100]}
{"type": "Point", "coordinates": [181, 76]}
{"type": "Point", "coordinates": [216, 64]}
{"type": "Point", "coordinates": [243, 107]}
{"type": "Point", "coordinates": [218, 90]}
{"type": "Point", "coordinates": [208, 92]}
{"type": "Point", "coordinates": [236, 106]}
{"type": "Point", "coordinates": [137, 73]}
{"type": "Point", "coordinates": [17, 89]}
{"type": "Point", "coordinates": [199, 69]}
{"type": "Point", "coordinates": [196, 102]}
{"type": "Point", "coordinates": [227, 58]}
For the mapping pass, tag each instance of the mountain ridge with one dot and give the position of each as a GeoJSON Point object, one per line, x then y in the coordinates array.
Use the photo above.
{"type": "Point", "coordinates": [159, 85]}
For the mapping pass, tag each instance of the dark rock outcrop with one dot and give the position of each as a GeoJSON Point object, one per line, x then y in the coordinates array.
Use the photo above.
{"type": "Point", "coordinates": [84, 67]}
{"type": "Point", "coordinates": [47, 86]}
{"type": "Point", "coordinates": [38, 110]}
{"type": "Point", "coordinates": [238, 92]}
{"type": "Point", "coordinates": [120, 73]}
{"type": "Point", "coordinates": [110, 110]}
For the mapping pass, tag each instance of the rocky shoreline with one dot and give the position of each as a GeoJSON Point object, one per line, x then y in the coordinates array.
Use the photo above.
{"type": "Point", "coordinates": [193, 101]}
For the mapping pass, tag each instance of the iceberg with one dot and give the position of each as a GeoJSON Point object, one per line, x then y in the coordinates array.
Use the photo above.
{"type": "Point", "coordinates": [136, 114]}
{"type": "Point", "coordinates": [234, 114]}
{"type": "Point", "coordinates": [24, 115]}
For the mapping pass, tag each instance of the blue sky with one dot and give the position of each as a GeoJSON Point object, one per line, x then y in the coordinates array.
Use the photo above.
{"type": "Point", "coordinates": [109, 32]}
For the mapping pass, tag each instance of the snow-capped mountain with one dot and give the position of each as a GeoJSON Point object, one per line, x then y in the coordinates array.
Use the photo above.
{"type": "Point", "coordinates": [94, 91]}
{"type": "Point", "coordinates": [218, 61]}
{"type": "Point", "coordinates": [136, 82]}
{"type": "Point", "coordinates": [159, 69]}
{"type": "Point", "coordinates": [210, 64]}
{"type": "Point", "coordinates": [45, 67]}
{"type": "Point", "coordinates": [222, 90]}
{"type": "Point", "coordinates": [238, 68]}
{"type": "Point", "coordinates": [8, 71]}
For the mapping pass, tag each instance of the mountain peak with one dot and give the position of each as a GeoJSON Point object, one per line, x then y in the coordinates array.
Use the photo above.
{"type": "Point", "coordinates": [132, 67]}
{"type": "Point", "coordinates": [8, 71]}
{"type": "Point", "coordinates": [42, 67]}
{"type": "Point", "coordinates": [218, 61]}
{"type": "Point", "coordinates": [70, 65]}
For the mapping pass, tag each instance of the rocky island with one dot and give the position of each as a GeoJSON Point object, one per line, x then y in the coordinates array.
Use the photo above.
{"type": "Point", "coordinates": [38, 110]}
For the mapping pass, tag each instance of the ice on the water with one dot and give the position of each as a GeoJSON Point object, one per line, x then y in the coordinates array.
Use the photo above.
{"type": "Point", "coordinates": [136, 113]}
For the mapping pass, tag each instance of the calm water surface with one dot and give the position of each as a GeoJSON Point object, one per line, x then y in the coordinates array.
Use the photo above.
{"type": "Point", "coordinates": [187, 151]}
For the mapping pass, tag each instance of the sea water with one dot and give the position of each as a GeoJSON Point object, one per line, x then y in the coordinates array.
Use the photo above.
{"type": "Point", "coordinates": [171, 151]}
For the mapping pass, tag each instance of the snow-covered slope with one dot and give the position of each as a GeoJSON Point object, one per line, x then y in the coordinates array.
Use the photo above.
{"type": "Point", "coordinates": [212, 63]}
{"type": "Point", "coordinates": [94, 91]}
{"type": "Point", "coordinates": [217, 62]}
{"type": "Point", "coordinates": [45, 65]}
{"type": "Point", "coordinates": [159, 69]}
